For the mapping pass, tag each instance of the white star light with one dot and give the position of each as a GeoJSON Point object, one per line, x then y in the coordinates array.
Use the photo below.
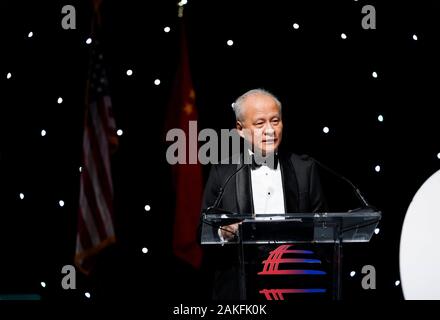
{"type": "Point", "coordinates": [296, 26]}
{"type": "Point", "coordinates": [343, 36]}
{"type": "Point", "coordinates": [374, 74]}
{"type": "Point", "coordinates": [167, 29]}
{"type": "Point", "coordinates": [8, 75]}
{"type": "Point", "coordinates": [438, 155]}
{"type": "Point", "coordinates": [376, 231]}
{"type": "Point", "coordinates": [30, 34]}
{"type": "Point", "coordinates": [230, 42]}
{"type": "Point", "coordinates": [414, 37]}
{"type": "Point", "coordinates": [61, 203]}
{"type": "Point", "coordinates": [147, 208]}
{"type": "Point", "coordinates": [80, 169]}
{"type": "Point", "coordinates": [43, 133]}
{"type": "Point", "coordinates": [129, 72]}
{"type": "Point", "coordinates": [21, 196]}
{"type": "Point", "coordinates": [377, 168]}
{"type": "Point", "coordinates": [43, 284]}
{"type": "Point", "coordinates": [144, 250]}
{"type": "Point", "coordinates": [397, 283]}
{"type": "Point", "coordinates": [325, 130]}
{"type": "Point", "coordinates": [60, 100]}
{"type": "Point", "coordinates": [89, 40]}
{"type": "Point", "coordinates": [157, 82]}
{"type": "Point", "coordinates": [87, 294]}
{"type": "Point", "coordinates": [380, 118]}
{"type": "Point", "coordinates": [352, 274]}
{"type": "Point", "coordinates": [119, 132]}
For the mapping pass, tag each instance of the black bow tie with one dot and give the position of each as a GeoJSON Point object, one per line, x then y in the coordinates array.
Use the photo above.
{"type": "Point", "coordinates": [270, 161]}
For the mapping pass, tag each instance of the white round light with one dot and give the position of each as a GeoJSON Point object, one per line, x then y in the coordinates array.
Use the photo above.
{"type": "Point", "coordinates": [380, 118]}
{"type": "Point", "coordinates": [8, 75]}
{"type": "Point", "coordinates": [419, 255]}
{"type": "Point", "coordinates": [89, 40]}
{"type": "Point", "coordinates": [352, 274]}
{"type": "Point", "coordinates": [60, 100]}
{"type": "Point", "coordinates": [80, 169]}
{"type": "Point", "coordinates": [377, 168]}
{"type": "Point", "coordinates": [129, 72]}
{"type": "Point", "coordinates": [343, 36]}
{"type": "Point", "coordinates": [325, 130]}
{"type": "Point", "coordinates": [376, 231]}
{"type": "Point", "coordinates": [295, 26]}
{"type": "Point", "coordinates": [167, 29]}
{"type": "Point", "coordinates": [30, 34]}
{"type": "Point", "coordinates": [61, 203]}
{"type": "Point", "coordinates": [397, 283]}
{"type": "Point", "coordinates": [438, 155]}
{"type": "Point", "coordinates": [119, 132]}
{"type": "Point", "coordinates": [144, 250]}
{"type": "Point", "coordinates": [43, 284]}
{"type": "Point", "coordinates": [157, 82]}
{"type": "Point", "coordinates": [230, 42]}
{"type": "Point", "coordinates": [21, 196]}
{"type": "Point", "coordinates": [147, 208]}
{"type": "Point", "coordinates": [43, 133]}
{"type": "Point", "coordinates": [87, 294]}
{"type": "Point", "coordinates": [374, 74]}
{"type": "Point", "coordinates": [414, 37]}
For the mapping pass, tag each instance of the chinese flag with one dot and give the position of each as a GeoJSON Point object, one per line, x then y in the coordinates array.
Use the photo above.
{"type": "Point", "coordinates": [187, 177]}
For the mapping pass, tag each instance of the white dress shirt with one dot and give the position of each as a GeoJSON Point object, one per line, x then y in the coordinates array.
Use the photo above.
{"type": "Point", "coordinates": [267, 190]}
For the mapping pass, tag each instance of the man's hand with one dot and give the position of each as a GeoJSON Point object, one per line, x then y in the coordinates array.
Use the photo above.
{"type": "Point", "coordinates": [229, 232]}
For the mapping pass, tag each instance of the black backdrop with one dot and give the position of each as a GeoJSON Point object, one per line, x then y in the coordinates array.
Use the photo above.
{"type": "Point", "coordinates": [321, 79]}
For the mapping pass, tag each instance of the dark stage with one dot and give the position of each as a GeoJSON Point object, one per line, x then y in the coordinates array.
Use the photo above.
{"type": "Point", "coordinates": [362, 101]}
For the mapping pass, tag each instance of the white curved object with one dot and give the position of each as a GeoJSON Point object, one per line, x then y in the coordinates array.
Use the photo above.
{"type": "Point", "coordinates": [420, 244]}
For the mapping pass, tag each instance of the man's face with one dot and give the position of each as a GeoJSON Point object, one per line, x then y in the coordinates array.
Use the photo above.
{"type": "Point", "coordinates": [261, 123]}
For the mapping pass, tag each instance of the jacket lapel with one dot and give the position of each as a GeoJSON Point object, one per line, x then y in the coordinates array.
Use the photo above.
{"type": "Point", "coordinates": [244, 190]}
{"type": "Point", "coordinates": [290, 184]}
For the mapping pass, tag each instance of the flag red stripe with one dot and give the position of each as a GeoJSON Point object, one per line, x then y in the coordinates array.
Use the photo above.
{"type": "Point", "coordinates": [92, 163]}
{"type": "Point", "coordinates": [102, 203]}
{"type": "Point", "coordinates": [100, 153]}
{"type": "Point", "coordinates": [105, 112]}
{"type": "Point", "coordinates": [83, 235]}
{"type": "Point", "coordinates": [95, 211]}
{"type": "Point", "coordinates": [87, 216]}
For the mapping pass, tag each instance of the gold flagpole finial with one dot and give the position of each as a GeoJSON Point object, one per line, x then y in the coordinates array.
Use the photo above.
{"type": "Point", "coordinates": [181, 4]}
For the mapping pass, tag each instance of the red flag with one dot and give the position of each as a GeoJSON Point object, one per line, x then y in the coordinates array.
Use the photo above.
{"type": "Point", "coordinates": [187, 177]}
{"type": "Point", "coordinates": [95, 213]}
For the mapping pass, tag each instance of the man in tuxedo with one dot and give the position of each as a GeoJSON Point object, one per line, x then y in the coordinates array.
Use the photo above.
{"type": "Point", "coordinates": [276, 181]}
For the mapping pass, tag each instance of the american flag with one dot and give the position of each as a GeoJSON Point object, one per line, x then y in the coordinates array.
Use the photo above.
{"type": "Point", "coordinates": [95, 216]}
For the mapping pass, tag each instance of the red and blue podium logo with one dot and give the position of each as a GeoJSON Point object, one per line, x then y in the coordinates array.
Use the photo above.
{"type": "Point", "coordinates": [282, 262]}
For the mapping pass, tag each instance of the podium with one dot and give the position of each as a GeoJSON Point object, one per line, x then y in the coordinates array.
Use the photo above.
{"type": "Point", "coordinates": [291, 228]}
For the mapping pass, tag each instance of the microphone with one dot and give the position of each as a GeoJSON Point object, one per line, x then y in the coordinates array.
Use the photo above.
{"type": "Point", "coordinates": [356, 189]}
{"type": "Point", "coordinates": [222, 190]}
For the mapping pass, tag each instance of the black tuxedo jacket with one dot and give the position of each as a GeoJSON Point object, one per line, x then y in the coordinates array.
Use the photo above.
{"type": "Point", "coordinates": [302, 193]}
{"type": "Point", "coordinates": [300, 179]}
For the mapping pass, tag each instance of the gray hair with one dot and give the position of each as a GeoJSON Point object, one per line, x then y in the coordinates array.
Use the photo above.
{"type": "Point", "coordinates": [237, 106]}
